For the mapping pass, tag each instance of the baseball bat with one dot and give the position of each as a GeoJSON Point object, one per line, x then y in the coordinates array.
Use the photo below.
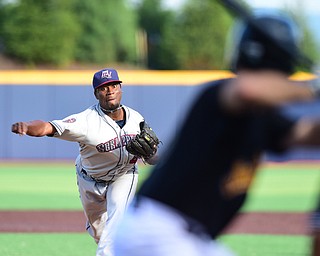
{"type": "Point", "coordinates": [245, 13]}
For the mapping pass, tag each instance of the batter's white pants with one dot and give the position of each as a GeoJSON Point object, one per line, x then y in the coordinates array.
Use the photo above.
{"type": "Point", "coordinates": [152, 229]}
{"type": "Point", "coordinates": [104, 204]}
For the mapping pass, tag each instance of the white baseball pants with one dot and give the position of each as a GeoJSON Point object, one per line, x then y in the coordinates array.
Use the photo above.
{"type": "Point", "coordinates": [104, 204]}
{"type": "Point", "coordinates": [153, 229]}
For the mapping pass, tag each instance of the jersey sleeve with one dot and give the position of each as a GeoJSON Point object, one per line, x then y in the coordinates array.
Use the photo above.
{"type": "Point", "coordinates": [279, 127]}
{"type": "Point", "coordinates": [71, 128]}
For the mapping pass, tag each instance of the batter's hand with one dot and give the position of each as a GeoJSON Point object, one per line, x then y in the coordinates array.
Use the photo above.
{"type": "Point", "coordinates": [20, 128]}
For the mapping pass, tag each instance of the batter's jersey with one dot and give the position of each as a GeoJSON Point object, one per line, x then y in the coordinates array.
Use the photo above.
{"type": "Point", "coordinates": [315, 220]}
{"type": "Point", "coordinates": [207, 170]}
{"type": "Point", "coordinates": [101, 141]}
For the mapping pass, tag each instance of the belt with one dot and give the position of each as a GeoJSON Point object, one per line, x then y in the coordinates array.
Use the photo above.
{"type": "Point", "coordinates": [84, 172]}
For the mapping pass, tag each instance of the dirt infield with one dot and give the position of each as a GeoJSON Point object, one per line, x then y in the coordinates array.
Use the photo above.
{"type": "Point", "coordinates": [74, 221]}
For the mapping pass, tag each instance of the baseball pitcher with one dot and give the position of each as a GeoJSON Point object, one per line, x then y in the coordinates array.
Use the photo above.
{"type": "Point", "coordinates": [111, 138]}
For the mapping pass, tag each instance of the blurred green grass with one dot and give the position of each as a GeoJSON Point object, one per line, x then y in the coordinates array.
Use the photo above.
{"type": "Point", "coordinates": [53, 244]}
{"type": "Point", "coordinates": [35, 244]}
{"type": "Point", "coordinates": [285, 187]}
{"type": "Point", "coordinates": [268, 245]}
{"type": "Point", "coordinates": [71, 244]}
{"type": "Point", "coordinates": [41, 186]}
{"type": "Point", "coordinates": [52, 186]}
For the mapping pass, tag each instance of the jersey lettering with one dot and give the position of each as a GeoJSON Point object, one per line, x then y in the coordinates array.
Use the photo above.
{"type": "Point", "coordinates": [114, 143]}
{"type": "Point", "coordinates": [126, 138]}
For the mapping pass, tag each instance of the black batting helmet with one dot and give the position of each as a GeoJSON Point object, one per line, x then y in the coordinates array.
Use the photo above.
{"type": "Point", "coordinates": [270, 40]}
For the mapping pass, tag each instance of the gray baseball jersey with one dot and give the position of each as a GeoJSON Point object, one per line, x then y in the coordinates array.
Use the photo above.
{"type": "Point", "coordinates": [101, 141]}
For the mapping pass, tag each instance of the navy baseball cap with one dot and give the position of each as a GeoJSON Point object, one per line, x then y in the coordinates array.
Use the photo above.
{"type": "Point", "coordinates": [105, 76]}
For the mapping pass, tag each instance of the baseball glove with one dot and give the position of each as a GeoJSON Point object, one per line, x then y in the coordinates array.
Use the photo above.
{"type": "Point", "coordinates": [145, 144]}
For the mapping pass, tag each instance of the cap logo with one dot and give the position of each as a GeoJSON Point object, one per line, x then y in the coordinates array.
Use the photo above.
{"type": "Point", "coordinates": [106, 74]}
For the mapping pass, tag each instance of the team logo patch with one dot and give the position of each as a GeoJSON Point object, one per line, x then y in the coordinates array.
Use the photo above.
{"type": "Point", "coordinates": [106, 74]}
{"type": "Point", "coordinates": [239, 179]}
{"type": "Point", "coordinates": [70, 120]}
